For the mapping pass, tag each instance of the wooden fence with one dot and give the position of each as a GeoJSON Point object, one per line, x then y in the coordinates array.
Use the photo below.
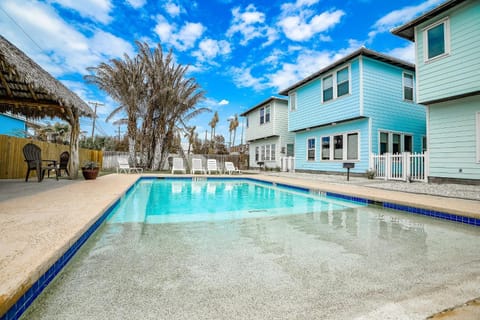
{"type": "Point", "coordinates": [12, 161]}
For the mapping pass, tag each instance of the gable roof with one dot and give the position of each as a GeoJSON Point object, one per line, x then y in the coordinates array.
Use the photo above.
{"type": "Point", "coordinates": [362, 51]}
{"type": "Point", "coordinates": [407, 30]}
{"type": "Point", "coordinates": [29, 90]}
{"type": "Point", "coordinates": [263, 103]}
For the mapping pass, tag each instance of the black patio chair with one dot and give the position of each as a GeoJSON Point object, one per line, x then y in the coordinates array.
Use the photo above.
{"type": "Point", "coordinates": [33, 158]}
{"type": "Point", "coordinates": [62, 165]}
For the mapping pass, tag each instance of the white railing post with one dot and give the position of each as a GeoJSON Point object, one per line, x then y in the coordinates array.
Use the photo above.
{"type": "Point", "coordinates": [406, 166]}
{"type": "Point", "coordinates": [426, 166]}
{"type": "Point", "coordinates": [388, 166]}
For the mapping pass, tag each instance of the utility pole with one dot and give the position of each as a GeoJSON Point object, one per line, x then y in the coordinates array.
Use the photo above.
{"type": "Point", "coordinates": [96, 104]}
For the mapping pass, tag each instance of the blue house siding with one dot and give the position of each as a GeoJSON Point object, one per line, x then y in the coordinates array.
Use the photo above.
{"type": "Point", "coordinates": [12, 126]}
{"type": "Point", "coordinates": [301, 162]}
{"type": "Point", "coordinates": [454, 133]}
{"type": "Point", "coordinates": [458, 72]}
{"type": "Point", "coordinates": [384, 103]}
{"type": "Point", "coordinates": [311, 111]}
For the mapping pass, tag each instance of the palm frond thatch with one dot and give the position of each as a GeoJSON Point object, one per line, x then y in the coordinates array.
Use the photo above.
{"type": "Point", "coordinates": [29, 90]}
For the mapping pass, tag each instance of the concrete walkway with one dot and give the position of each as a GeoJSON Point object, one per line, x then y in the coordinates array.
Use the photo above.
{"type": "Point", "coordinates": [39, 221]}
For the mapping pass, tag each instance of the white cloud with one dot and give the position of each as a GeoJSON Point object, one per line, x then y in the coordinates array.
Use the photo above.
{"type": "Point", "coordinates": [243, 78]}
{"type": "Point", "coordinates": [307, 62]}
{"type": "Point", "coordinates": [210, 49]}
{"type": "Point", "coordinates": [62, 49]}
{"type": "Point", "coordinates": [97, 10]}
{"type": "Point", "coordinates": [136, 4]}
{"type": "Point", "coordinates": [299, 22]}
{"type": "Point", "coordinates": [250, 24]}
{"type": "Point", "coordinates": [184, 39]}
{"type": "Point", "coordinates": [223, 102]}
{"type": "Point", "coordinates": [400, 16]}
{"type": "Point", "coordinates": [109, 45]}
{"type": "Point", "coordinates": [404, 53]}
{"type": "Point", "coordinates": [173, 9]}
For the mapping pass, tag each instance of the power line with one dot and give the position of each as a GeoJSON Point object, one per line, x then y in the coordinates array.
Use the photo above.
{"type": "Point", "coordinates": [23, 30]}
{"type": "Point", "coordinates": [96, 104]}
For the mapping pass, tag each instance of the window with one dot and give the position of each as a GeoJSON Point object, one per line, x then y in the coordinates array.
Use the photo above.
{"type": "Point", "coordinates": [345, 147]}
{"type": "Point", "coordinates": [407, 143]}
{"type": "Point", "coordinates": [311, 149]}
{"type": "Point", "coordinates": [395, 143]}
{"type": "Point", "coordinates": [257, 153]}
{"type": "Point", "coordinates": [408, 87]}
{"type": "Point", "coordinates": [262, 115]}
{"type": "Point", "coordinates": [272, 149]}
{"type": "Point", "coordinates": [263, 153]}
{"type": "Point", "coordinates": [338, 147]}
{"type": "Point", "coordinates": [267, 152]}
{"type": "Point", "coordinates": [327, 88]}
{"type": "Point", "coordinates": [383, 142]}
{"type": "Point", "coordinates": [247, 121]}
{"type": "Point", "coordinates": [436, 40]}
{"type": "Point", "coordinates": [352, 146]}
{"type": "Point", "coordinates": [290, 150]}
{"type": "Point", "coordinates": [342, 82]}
{"type": "Point", "coordinates": [424, 143]}
{"type": "Point", "coordinates": [267, 114]}
{"type": "Point", "coordinates": [325, 148]}
{"type": "Point", "coordinates": [293, 101]}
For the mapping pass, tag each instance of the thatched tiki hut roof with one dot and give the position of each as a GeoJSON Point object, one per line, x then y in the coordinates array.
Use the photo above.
{"type": "Point", "coordinates": [29, 90]}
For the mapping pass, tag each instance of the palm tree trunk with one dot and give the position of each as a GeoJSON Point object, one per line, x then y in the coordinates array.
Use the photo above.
{"type": "Point", "coordinates": [74, 163]}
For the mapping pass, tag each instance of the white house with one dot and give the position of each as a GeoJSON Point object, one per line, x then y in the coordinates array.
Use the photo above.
{"type": "Point", "coordinates": [267, 133]}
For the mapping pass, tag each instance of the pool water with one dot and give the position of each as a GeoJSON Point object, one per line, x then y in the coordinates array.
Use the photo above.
{"type": "Point", "coordinates": [177, 200]}
{"type": "Point", "coordinates": [335, 260]}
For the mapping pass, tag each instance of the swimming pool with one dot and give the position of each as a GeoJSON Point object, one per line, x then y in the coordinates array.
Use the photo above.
{"type": "Point", "coordinates": [335, 260]}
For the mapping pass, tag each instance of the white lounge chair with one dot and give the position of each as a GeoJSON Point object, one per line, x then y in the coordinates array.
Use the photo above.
{"type": "Point", "coordinates": [212, 166]}
{"type": "Point", "coordinates": [230, 168]}
{"type": "Point", "coordinates": [197, 166]}
{"type": "Point", "coordinates": [178, 165]}
{"type": "Point", "coordinates": [125, 167]}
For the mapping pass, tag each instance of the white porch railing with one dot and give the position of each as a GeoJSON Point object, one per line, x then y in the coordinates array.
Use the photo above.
{"type": "Point", "coordinates": [405, 166]}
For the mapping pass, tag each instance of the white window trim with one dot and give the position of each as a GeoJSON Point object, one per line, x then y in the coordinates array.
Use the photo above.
{"type": "Point", "coordinates": [345, 147]}
{"type": "Point", "coordinates": [269, 107]}
{"type": "Point", "coordinates": [334, 83]}
{"type": "Point", "coordinates": [413, 86]}
{"type": "Point", "coordinates": [445, 21]}
{"type": "Point", "coordinates": [293, 97]}
{"type": "Point", "coordinates": [260, 116]}
{"type": "Point", "coordinates": [314, 150]}
{"type": "Point", "coordinates": [478, 137]}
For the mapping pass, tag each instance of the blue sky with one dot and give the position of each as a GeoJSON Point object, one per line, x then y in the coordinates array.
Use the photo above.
{"type": "Point", "coordinates": [240, 52]}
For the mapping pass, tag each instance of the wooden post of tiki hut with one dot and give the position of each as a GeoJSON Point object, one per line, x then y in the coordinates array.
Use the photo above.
{"type": "Point", "coordinates": [27, 89]}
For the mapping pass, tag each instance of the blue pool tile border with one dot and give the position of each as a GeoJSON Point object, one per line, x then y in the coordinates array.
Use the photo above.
{"type": "Point", "coordinates": [425, 212]}
{"type": "Point", "coordinates": [28, 297]}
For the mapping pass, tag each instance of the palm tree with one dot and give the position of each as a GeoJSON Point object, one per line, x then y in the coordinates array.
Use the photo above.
{"type": "Point", "coordinates": [123, 80]}
{"type": "Point", "coordinates": [234, 123]}
{"type": "Point", "coordinates": [191, 135]}
{"type": "Point", "coordinates": [213, 124]}
{"type": "Point", "coordinates": [171, 99]}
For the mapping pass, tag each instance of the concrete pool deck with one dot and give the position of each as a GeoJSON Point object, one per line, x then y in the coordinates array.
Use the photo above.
{"type": "Point", "coordinates": [40, 221]}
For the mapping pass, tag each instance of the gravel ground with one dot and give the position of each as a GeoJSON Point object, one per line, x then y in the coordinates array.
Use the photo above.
{"type": "Point", "coordinates": [471, 192]}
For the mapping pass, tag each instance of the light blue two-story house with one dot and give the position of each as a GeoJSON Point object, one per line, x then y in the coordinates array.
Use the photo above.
{"type": "Point", "coordinates": [447, 45]}
{"type": "Point", "coordinates": [361, 104]}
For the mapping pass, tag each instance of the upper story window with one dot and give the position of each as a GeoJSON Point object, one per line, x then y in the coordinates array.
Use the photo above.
{"type": "Point", "coordinates": [336, 84]}
{"type": "Point", "coordinates": [264, 114]}
{"type": "Point", "coordinates": [311, 149]}
{"type": "Point", "coordinates": [327, 88]}
{"type": "Point", "coordinates": [437, 40]}
{"type": "Point", "coordinates": [342, 82]}
{"type": "Point", "coordinates": [293, 101]}
{"type": "Point", "coordinates": [408, 87]}
{"type": "Point", "coordinates": [247, 121]}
